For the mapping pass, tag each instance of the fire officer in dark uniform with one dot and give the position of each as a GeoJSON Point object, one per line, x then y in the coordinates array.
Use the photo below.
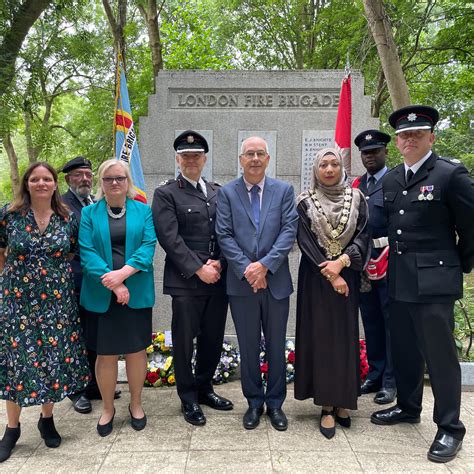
{"type": "Point", "coordinates": [430, 206]}
{"type": "Point", "coordinates": [184, 211]}
{"type": "Point", "coordinates": [374, 303]}
{"type": "Point", "coordinates": [79, 178]}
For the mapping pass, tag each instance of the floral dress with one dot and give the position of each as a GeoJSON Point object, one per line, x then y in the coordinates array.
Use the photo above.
{"type": "Point", "coordinates": [42, 356]}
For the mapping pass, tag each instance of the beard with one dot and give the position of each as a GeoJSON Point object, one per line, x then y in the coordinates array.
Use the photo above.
{"type": "Point", "coordinates": [82, 191]}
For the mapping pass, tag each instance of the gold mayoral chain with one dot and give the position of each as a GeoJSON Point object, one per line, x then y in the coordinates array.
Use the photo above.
{"type": "Point", "coordinates": [333, 246]}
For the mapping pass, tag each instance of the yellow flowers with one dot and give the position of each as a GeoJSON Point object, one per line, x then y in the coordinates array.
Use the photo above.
{"type": "Point", "coordinates": [171, 379]}
{"type": "Point", "coordinates": [168, 363]}
{"type": "Point", "coordinates": [150, 349]}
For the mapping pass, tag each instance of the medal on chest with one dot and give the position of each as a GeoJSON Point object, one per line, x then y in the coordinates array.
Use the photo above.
{"type": "Point", "coordinates": [426, 193]}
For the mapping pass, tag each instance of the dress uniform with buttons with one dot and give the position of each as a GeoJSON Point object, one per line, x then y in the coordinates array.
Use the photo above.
{"type": "Point", "coordinates": [184, 213]}
{"type": "Point", "coordinates": [374, 302]}
{"type": "Point", "coordinates": [429, 202]}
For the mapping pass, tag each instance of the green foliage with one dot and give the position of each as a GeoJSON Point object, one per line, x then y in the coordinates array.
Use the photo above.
{"type": "Point", "coordinates": [464, 321]}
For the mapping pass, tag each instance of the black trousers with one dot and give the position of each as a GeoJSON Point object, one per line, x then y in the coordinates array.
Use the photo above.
{"type": "Point", "coordinates": [203, 318]}
{"type": "Point", "coordinates": [92, 388]}
{"type": "Point", "coordinates": [374, 311]}
{"type": "Point", "coordinates": [423, 332]}
{"type": "Point", "coordinates": [253, 315]}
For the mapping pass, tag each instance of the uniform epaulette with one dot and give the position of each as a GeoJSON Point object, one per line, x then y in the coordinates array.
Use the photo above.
{"type": "Point", "coordinates": [168, 181]}
{"type": "Point", "coordinates": [451, 161]}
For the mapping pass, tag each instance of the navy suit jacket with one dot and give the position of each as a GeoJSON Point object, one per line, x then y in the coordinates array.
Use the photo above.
{"type": "Point", "coordinates": [240, 242]}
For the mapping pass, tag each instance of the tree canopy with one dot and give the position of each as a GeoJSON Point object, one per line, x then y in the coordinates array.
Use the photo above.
{"type": "Point", "coordinates": [57, 62]}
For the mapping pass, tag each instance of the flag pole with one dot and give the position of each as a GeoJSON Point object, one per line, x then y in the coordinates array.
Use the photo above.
{"type": "Point", "coordinates": [117, 92]}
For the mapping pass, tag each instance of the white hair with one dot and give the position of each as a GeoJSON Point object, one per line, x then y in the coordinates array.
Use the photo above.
{"type": "Point", "coordinates": [250, 138]}
{"type": "Point", "coordinates": [131, 193]}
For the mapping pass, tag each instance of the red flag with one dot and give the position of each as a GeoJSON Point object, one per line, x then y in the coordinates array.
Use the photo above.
{"type": "Point", "coordinates": [342, 136]}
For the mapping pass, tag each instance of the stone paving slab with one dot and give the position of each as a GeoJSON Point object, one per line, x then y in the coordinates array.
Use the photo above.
{"type": "Point", "coordinates": [170, 445]}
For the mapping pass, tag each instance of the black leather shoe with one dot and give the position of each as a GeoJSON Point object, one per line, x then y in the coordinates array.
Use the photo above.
{"type": "Point", "coordinates": [277, 418]}
{"type": "Point", "coordinates": [369, 386]}
{"type": "Point", "coordinates": [252, 418]}
{"type": "Point", "coordinates": [105, 430]}
{"type": "Point", "coordinates": [344, 421]}
{"type": "Point", "coordinates": [215, 401]}
{"type": "Point", "coordinates": [8, 442]}
{"type": "Point", "coordinates": [193, 414]}
{"type": "Point", "coordinates": [327, 432]}
{"type": "Point", "coordinates": [95, 394]}
{"type": "Point", "coordinates": [393, 416]}
{"type": "Point", "coordinates": [385, 395]}
{"type": "Point", "coordinates": [82, 404]}
{"type": "Point", "coordinates": [137, 423]}
{"type": "Point", "coordinates": [48, 431]}
{"type": "Point", "coordinates": [444, 448]}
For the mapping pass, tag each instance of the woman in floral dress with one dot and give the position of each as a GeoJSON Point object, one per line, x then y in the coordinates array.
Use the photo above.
{"type": "Point", "coordinates": [42, 358]}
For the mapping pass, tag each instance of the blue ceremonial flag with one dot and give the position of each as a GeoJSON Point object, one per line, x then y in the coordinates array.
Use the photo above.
{"type": "Point", "coordinates": [126, 145]}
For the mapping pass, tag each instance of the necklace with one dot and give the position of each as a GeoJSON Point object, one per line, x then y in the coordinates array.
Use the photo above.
{"type": "Point", "coordinates": [333, 246]}
{"type": "Point", "coordinates": [41, 221]}
{"type": "Point", "coordinates": [116, 216]}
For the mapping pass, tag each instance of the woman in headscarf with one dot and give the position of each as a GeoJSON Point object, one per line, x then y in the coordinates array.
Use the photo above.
{"type": "Point", "coordinates": [334, 241]}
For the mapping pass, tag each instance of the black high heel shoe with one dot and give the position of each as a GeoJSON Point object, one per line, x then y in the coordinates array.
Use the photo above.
{"type": "Point", "coordinates": [137, 423]}
{"type": "Point", "coordinates": [327, 432]}
{"type": "Point", "coordinates": [105, 430]}
{"type": "Point", "coordinates": [343, 421]}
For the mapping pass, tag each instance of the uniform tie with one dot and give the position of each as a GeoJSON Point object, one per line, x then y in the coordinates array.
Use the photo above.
{"type": "Point", "coordinates": [370, 184]}
{"type": "Point", "coordinates": [199, 187]}
{"type": "Point", "coordinates": [255, 201]}
{"type": "Point", "coordinates": [409, 176]}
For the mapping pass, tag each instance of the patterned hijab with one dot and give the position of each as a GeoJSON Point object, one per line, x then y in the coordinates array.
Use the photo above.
{"type": "Point", "coordinates": [332, 210]}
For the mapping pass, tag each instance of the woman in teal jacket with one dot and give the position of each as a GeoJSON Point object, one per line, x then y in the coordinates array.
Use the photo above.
{"type": "Point", "coordinates": [117, 242]}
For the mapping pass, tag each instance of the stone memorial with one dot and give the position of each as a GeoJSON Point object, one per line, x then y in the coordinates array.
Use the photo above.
{"type": "Point", "coordinates": [295, 111]}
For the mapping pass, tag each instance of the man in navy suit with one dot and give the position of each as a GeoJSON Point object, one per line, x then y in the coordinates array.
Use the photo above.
{"type": "Point", "coordinates": [374, 303]}
{"type": "Point", "coordinates": [79, 177]}
{"type": "Point", "coordinates": [256, 228]}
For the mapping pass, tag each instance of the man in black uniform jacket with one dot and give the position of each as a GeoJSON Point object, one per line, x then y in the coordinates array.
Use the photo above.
{"type": "Point", "coordinates": [430, 206]}
{"type": "Point", "coordinates": [374, 303]}
{"type": "Point", "coordinates": [79, 178]}
{"type": "Point", "coordinates": [184, 211]}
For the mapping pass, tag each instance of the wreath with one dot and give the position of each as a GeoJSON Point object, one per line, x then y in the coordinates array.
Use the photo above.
{"type": "Point", "coordinates": [160, 367]}
{"type": "Point", "coordinates": [290, 360]}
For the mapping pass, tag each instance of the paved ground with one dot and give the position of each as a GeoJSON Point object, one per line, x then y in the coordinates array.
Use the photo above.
{"type": "Point", "coordinates": [170, 444]}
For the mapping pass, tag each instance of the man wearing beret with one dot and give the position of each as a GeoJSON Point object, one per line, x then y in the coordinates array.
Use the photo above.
{"type": "Point", "coordinates": [79, 176]}
{"type": "Point", "coordinates": [184, 211]}
{"type": "Point", "coordinates": [429, 202]}
{"type": "Point", "coordinates": [374, 301]}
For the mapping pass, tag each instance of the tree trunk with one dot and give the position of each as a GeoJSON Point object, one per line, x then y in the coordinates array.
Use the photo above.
{"type": "Point", "coordinates": [21, 23]}
{"type": "Point", "coordinates": [117, 25]}
{"type": "Point", "coordinates": [380, 27]}
{"type": "Point", "coordinates": [30, 148]}
{"type": "Point", "coordinates": [150, 15]}
{"type": "Point", "coordinates": [13, 160]}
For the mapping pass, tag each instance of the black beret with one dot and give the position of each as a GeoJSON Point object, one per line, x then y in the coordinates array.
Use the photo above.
{"type": "Point", "coordinates": [414, 117]}
{"type": "Point", "coordinates": [371, 139]}
{"type": "Point", "coordinates": [78, 162]}
{"type": "Point", "coordinates": [189, 142]}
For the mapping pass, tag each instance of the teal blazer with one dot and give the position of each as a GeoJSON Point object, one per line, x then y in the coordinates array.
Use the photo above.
{"type": "Point", "coordinates": [96, 255]}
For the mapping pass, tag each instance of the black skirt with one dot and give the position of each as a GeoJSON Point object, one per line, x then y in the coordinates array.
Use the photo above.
{"type": "Point", "coordinates": [120, 330]}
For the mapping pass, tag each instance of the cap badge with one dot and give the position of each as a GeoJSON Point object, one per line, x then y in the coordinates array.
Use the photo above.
{"type": "Point", "coordinates": [412, 117]}
{"type": "Point", "coordinates": [368, 137]}
{"type": "Point", "coordinates": [190, 139]}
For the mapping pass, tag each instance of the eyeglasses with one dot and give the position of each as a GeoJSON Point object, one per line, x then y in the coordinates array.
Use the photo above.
{"type": "Point", "coordinates": [111, 179]}
{"type": "Point", "coordinates": [85, 174]}
{"type": "Point", "coordinates": [250, 154]}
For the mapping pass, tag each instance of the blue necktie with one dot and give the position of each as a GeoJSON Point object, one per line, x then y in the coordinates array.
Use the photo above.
{"type": "Point", "coordinates": [370, 184]}
{"type": "Point", "coordinates": [255, 200]}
